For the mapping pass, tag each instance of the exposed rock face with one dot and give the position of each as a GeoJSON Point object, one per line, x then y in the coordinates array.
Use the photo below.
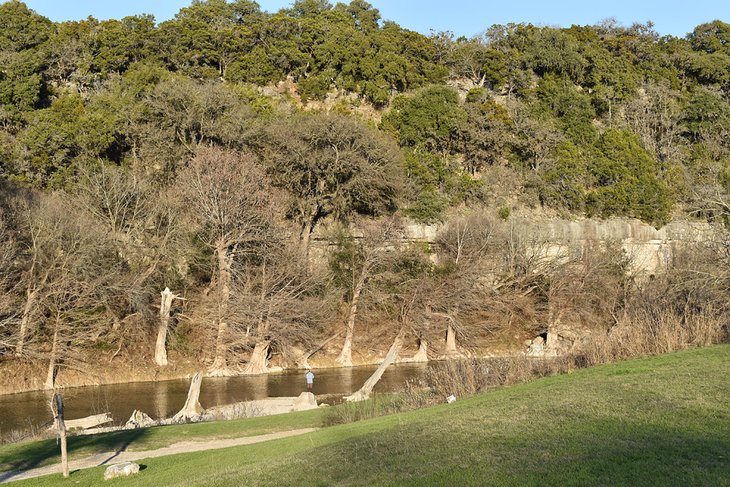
{"type": "Point", "coordinates": [121, 470]}
{"type": "Point", "coordinates": [536, 348]}
{"type": "Point", "coordinates": [650, 249]}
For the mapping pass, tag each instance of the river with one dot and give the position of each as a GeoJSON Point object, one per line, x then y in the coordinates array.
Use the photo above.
{"type": "Point", "coordinates": [30, 410]}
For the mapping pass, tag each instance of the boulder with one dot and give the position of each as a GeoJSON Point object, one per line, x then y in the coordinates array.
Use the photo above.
{"type": "Point", "coordinates": [121, 470]}
{"type": "Point", "coordinates": [305, 400]}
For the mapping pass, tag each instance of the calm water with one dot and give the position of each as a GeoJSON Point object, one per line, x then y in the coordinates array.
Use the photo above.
{"type": "Point", "coordinates": [163, 399]}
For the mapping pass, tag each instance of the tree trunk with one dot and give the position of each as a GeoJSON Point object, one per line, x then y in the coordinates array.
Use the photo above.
{"type": "Point", "coordinates": [220, 366]}
{"type": "Point", "coordinates": [51, 376]}
{"type": "Point", "coordinates": [345, 357]}
{"type": "Point", "coordinates": [257, 364]}
{"type": "Point", "coordinates": [367, 388]}
{"type": "Point", "coordinates": [165, 305]}
{"type": "Point", "coordinates": [25, 321]}
{"type": "Point", "coordinates": [450, 341]}
{"type": "Point", "coordinates": [192, 405]}
{"type": "Point", "coordinates": [30, 297]}
{"type": "Point", "coordinates": [422, 354]}
{"type": "Point", "coordinates": [306, 235]}
{"type": "Point", "coordinates": [551, 341]}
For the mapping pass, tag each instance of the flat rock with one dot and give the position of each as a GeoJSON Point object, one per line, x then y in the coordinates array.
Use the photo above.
{"type": "Point", "coordinates": [262, 407]}
{"type": "Point", "coordinates": [121, 470]}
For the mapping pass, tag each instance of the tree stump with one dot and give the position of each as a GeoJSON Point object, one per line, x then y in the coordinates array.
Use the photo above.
{"type": "Point", "coordinates": [192, 408]}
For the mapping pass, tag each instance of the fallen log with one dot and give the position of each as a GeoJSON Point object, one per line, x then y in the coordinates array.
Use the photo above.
{"type": "Point", "coordinates": [364, 392]}
{"type": "Point", "coordinates": [87, 422]}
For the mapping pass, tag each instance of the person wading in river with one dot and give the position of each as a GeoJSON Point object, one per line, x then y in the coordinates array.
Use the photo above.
{"type": "Point", "coordinates": [310, 379]}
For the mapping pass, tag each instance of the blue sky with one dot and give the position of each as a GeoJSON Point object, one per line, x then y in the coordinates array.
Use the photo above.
{"type": "Point", "coordinates": [463, 17]}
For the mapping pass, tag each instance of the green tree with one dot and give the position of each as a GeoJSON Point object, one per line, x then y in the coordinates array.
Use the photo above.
{"type": "Point", "coordinates": [432, 118]}
{"type": "Point", "coordinates": [23, 41]}
{"type": "Point", "coordinates": [207, 37]}
{"type": "Point", "coordinates": [571, 106]}
{"type": "Point", "coordinates": [554, 51]}
{"type": "Point", "coordinates": [58, 136]}
{"type": "Point", "coordinates": [706, 117]}
{"type": "Point", "coordinates": [116, 44]}
{"type": "Point", "coordinates": [625, 180]}
{"type": "Point", "coordinates": [564, 178]}
{"type": "Point", "coordinates": [330, 165]}
{"type": "Point", "coordinates": [711, 37]}
{"type": "Point", "coordinates": [484, 139]}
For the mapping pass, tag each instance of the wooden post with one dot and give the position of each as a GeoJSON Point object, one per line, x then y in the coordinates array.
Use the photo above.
{"type": "Point", "coordinates": [61, 432]}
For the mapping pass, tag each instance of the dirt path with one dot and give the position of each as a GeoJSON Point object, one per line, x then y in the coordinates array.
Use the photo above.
{"type": "Point", "coordinates": [110, 458]}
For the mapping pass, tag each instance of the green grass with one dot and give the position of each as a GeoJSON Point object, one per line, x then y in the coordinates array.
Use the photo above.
{"type": "Point", "coordinates": [656, 421]}
{"type": "Point", "coordinates": [33, 454]}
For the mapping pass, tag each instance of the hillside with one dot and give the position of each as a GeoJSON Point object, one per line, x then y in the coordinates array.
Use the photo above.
{"type": "Point", "coordinates": [161, 186]}
{"type": "Point", "coordinates": [657, 421]}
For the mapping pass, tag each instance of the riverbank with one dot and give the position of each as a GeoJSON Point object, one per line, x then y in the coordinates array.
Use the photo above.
{"type": "Point", "coordinates": [20, 376]}
{"type": "Point", "coordinates": [662, 420]}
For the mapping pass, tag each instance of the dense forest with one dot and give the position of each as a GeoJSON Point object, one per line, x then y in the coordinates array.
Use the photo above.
{"type": "Point", "coordinates": [198, 157]}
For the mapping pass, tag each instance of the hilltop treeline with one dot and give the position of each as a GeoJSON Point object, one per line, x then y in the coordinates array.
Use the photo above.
{"type": "Point", "coordinates": [202, 153]}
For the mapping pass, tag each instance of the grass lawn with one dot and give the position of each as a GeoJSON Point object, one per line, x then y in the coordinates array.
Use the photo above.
{"type": "Point", "coordinates": [656, 421]}
{"type": "Point", "coordinates": [33, 454]}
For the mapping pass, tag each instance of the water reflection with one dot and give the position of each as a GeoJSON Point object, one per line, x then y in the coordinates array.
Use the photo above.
{"type": "Point", "coordinates": [165, 398]}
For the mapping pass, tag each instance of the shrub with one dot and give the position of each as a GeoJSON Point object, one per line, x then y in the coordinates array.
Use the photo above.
{"type": "Point", "coordinates": [377, 405]}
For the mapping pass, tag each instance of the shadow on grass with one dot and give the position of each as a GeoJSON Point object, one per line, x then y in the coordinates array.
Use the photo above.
{"type": "Point", "coordinates": [41, 453]}
{"type": "Point", "coordinates": [599, 452]}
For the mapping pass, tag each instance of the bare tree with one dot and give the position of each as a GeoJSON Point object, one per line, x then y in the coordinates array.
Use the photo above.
{"type": "Point", "coordinates": [9, 274]}
{"type": "Point", "coordinates": [144, 226]}
{"type": "Point", "coordinates": [404, 288]}
{"type": "Point", "coordinates": [491, 277]}
{"type": "Point", "coordinates": [230, 208]}
{"type": "Point", "coordinates": [536, 141]}
{"type": "Point", "coordinates": [357, 259]}
{"type": "Point", "coordinates": [283, 305]}
{"type": "Point", "coordinates": [586, 288]}
{"type": "Point", "coordinates": [654, 116]}
{"type": "Point", "coordinates": [181, 115]}
{"type": "Point", "coordinates": [74, 271]}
